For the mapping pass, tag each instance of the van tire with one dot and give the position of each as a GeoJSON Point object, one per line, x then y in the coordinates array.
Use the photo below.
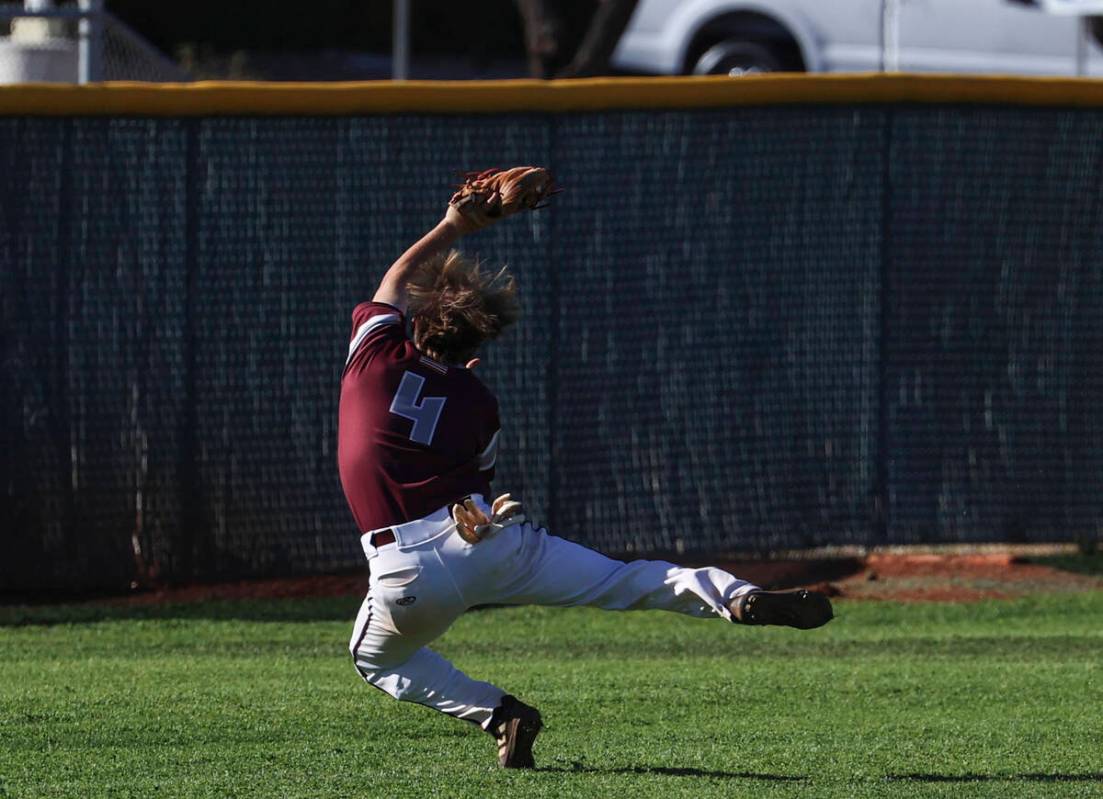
{"type": "Point", "coordinates": [737, 57]}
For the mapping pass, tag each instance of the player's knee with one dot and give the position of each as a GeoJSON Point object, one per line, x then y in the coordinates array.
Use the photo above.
{"type": "Point", "coordinates": [387, 682]}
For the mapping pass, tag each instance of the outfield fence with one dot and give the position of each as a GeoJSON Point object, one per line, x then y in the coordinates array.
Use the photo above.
{"type": "Point", "coordinates": [778, 312]}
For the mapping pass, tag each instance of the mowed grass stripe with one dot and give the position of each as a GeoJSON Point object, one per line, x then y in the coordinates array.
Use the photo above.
{"type": "Point", "coordinates": [260, 699]}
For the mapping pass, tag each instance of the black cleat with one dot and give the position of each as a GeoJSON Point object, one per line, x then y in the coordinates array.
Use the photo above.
{"type": "Point", "coordinates": [802, 609]}
{"type": "Point", "coordinates": [515, 725]}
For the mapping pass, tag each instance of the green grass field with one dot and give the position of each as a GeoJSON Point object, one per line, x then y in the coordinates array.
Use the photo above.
{"type": "Point", "coordinates": [260, 699]}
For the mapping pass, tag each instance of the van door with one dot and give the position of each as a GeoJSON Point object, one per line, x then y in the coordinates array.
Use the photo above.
{"type": "Point", "coordinates": [850, 32]}
{"type": "Point", "coordinates": [985, 36]}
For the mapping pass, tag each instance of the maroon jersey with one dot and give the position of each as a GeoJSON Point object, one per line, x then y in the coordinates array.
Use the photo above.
{"type": "Point", "coordinates": [413, 434]}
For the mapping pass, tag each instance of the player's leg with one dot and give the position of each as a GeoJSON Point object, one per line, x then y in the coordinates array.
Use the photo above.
{"type": "Point", "coordinates": [411, 601]}
{"type": "Point", "coordinates": [548, 570]}
{"type": "Point", "coordinates": [555, 571]}
{"type": "Point", "coordinates": [426, 678]}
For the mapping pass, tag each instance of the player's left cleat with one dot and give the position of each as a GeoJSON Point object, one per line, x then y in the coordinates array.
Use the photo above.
{"type": "Point", "coordinates": [802, 609]}
{"type": "Point", "coordinates": [516, 726]}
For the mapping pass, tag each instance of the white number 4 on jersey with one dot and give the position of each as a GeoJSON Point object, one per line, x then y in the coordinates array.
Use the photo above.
{"type": "Point", "coordinates": [424, 414]}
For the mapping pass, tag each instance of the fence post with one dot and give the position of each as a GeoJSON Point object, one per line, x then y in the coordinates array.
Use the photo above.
{"type": "Point", "coordinates": [882, 511]}
{"type": "Point", "coordinates": [1083, 40]}
{"type": "Point", "coordinates": [890, 35]}
{"type": "Point", "coordinates": [400, 55]}
{"type": "Point", "coordinates": [90, 42]}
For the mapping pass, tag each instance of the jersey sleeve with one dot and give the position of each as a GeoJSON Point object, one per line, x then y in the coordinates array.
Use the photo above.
{"type": "Point", "coordinates": [372, 321]}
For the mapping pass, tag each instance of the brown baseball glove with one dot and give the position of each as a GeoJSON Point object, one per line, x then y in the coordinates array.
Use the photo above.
{"type": "Point", "coordinates": [485, 197]}
{"type": "Point", "coordinates": [474, 525]}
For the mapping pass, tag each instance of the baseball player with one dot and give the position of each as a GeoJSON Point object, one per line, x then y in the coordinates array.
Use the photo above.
{"type": "Point", "coordinates": [418, 439]}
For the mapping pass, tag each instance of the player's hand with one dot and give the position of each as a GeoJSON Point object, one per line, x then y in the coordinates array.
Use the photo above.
{"type": "Point", "coordinates": [470, 521]}
{"type": "Point", "coordinates": [474, 525]}
{"type": "Point", "coordinates": [506, 508]}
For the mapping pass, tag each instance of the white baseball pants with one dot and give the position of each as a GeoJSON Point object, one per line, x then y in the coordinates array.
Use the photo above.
{"type": "Point", "coordinates": [426, 580]}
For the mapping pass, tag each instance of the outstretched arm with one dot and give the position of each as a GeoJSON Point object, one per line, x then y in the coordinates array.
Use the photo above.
{"type": "Point", "coordinates": [483, 199]}
{"type": "Point", "coordinates": [392, 288]}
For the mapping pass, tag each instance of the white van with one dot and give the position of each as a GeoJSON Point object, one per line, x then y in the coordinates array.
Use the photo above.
{"type": "Point", "coordinates": [735, 37]}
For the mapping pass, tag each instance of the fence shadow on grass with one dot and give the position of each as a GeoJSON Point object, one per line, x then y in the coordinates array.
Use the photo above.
{"type": "Point", "coordinates": [1089, 564]}
{"type": "Point", "coordinates": [671, 771]}
{"type": "Point", "coordinates": [297, 610]}
{"type": "Point", "coordinates": [1088, 777]}
{"type": "Point", "coordinates": [328, 597]}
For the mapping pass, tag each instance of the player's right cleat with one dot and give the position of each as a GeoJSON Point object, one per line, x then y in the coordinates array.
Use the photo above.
{"type": "Point", "coordinates": [515, 725]}
{"type": "Point", "coordinates": [802, 609]}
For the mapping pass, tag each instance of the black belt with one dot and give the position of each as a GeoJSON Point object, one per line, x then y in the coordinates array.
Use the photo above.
{"type": "Point", "coordinates": [382, 538]}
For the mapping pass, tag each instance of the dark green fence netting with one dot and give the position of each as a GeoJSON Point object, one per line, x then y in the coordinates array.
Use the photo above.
{"type": "Point", "coordinates": [745, 329]}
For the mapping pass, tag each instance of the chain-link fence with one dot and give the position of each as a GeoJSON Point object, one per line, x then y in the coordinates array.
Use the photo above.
{"type": "Point", "coordinates": [76, 43]}
{"type": "Point", "coordinates": [744, 328]}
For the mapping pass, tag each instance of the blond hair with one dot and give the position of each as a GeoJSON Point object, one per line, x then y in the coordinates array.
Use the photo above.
{"type": "Point", "coordinates": [455, 306]}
